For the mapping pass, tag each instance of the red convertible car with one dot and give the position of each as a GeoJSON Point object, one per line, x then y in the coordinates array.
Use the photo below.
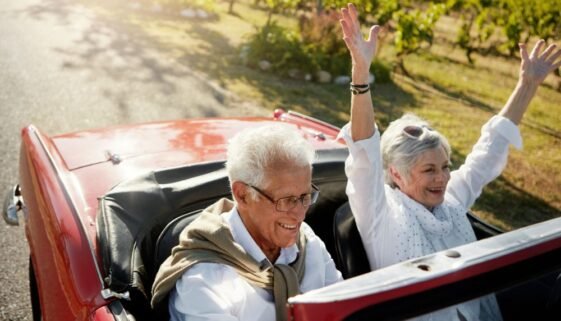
{"type": "Point", "coordinates": [103, 208]}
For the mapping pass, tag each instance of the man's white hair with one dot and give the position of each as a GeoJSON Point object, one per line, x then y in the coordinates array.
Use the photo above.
{"type": "Point", "coordinates": [402, 152]}
{"type": "Point", "coordinates": [253, 152]}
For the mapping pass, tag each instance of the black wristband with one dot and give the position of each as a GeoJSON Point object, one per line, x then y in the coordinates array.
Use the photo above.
{"type": "Point", "coordinates": [359, 89]}
{"type": "Point", "coordinates": [360, 86]}
{"type": "Point", "coordinates": [358, 92]}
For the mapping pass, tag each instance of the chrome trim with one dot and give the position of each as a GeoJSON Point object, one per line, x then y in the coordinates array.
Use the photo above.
{"type": "Point", "coordinates": [109, 294]}
{"type": "Point", "coordinates": [113, 157]}
{"type": "Point", "coordinates": [72, 205]}
{"type": "Point", "coordinates": [315, 133]}
{"type": "Point", "coordinates": [13, 203]}
{"type": "Point", "coordinates": [119, 312]}
{"type": "Point", "coordinates": [312, 119]}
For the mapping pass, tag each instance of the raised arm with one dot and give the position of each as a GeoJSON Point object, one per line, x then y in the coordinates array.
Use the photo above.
{"type": "Point", "coordinates": [489, 156]}
{"type": "Point", "coordinates": [533, 70]}
{"type": "Point", "coordinates": [362, 52]}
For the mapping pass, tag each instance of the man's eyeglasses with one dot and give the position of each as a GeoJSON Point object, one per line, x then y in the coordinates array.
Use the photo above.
{"type": "Point", "coordinates": [285, 204]}
{"type": "Point", "coordinates": [414, 131]}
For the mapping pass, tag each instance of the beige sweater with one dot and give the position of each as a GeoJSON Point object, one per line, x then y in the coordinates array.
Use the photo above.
{"type": "Point", "coordinates": [208, 239]}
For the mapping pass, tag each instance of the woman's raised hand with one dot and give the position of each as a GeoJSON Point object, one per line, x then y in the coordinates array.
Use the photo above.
{"type": "Point", "coordinates": [535, 67]}
{"type": "Point", "coordinates": [362, 51]}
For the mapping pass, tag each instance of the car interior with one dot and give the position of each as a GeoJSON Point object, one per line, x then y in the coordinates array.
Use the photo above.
{"type": "Point", "coordinates": [140, 220]}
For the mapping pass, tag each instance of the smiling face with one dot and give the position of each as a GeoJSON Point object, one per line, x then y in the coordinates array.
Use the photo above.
{"type": "Point", "coordinates": [271, 229]}
{"type": "Point", "coordinates": [428, 178]}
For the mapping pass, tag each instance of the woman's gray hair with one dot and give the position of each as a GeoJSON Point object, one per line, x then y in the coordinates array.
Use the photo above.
{"type": "Point", "coordinates": [252, 152]}
{"type": "Point", "coordinates": [401, 151]}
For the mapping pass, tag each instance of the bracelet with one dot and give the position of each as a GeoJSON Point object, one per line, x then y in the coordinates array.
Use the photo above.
{"type": "Point", "coordinates": [359, 89]}
{"type": "Point", "coordinates": [361, 86]}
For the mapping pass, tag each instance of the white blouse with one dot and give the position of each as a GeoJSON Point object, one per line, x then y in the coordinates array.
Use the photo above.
{"type": "Point", "coordinates": [395, 228]}
{"type": "Point", "coordinates": [210, 291]}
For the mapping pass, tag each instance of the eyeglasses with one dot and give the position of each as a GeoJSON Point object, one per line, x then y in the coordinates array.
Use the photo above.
{"type": "Point", "coordinates": [285, 204]}
{"type": "Point", "coordinates": [414, 131]}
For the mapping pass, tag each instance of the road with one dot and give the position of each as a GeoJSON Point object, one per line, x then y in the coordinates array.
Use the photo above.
{"type": "Point", "coordinates": [65, 68]}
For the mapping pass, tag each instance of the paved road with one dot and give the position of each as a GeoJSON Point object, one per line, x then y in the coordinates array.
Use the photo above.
{"type": "Point", "coordinates": [63, 68]}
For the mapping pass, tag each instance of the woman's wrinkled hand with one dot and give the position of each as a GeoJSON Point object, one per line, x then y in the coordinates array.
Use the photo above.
{"type": "Point", "coordinates": [362, 51]}
{"type": "Point", "coordinates": [535, 67]}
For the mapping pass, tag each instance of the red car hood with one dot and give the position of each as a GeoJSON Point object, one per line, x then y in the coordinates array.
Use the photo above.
{"type": "Point", "coordinates": [179, 142]}
{"type": "Point", "coordinates": [187, 141]}
{"type": "Point", "coordinates": [89, 172]}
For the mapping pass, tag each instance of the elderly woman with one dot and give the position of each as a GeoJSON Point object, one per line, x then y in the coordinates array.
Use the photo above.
{"type": "Point", "coordinates": [405, 199]}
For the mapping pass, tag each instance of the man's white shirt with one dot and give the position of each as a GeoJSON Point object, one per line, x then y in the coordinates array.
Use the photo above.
{"type": "Point", "coordinates": [211, 291]}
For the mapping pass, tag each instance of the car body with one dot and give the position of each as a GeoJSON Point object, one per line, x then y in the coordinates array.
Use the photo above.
{"type": "Point", "coordinates": [103, 208]}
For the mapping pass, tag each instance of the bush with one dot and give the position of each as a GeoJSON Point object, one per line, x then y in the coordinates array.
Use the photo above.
{"type": "Point", "coordinates": [323, 41]}
{"type": "Point", "coordinates": [281, 47]}
{"type": "Point", "coordinates": [318, 46]}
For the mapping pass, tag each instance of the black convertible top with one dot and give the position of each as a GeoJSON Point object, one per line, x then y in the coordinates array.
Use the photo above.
{"type": "Point", "coordinates": [135, 212]}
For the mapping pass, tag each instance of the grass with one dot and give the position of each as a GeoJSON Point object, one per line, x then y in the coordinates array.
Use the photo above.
{"type": "Point", "coordinates": [455, 96]}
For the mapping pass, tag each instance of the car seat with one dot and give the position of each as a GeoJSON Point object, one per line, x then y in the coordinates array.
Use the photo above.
{"type": "Point", "coordinates": [350, 254]}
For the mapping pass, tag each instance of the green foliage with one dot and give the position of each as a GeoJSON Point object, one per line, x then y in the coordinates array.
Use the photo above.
{"type": "Point", "coordinates": [279, 46]}
{"type": "Point", "coordinates": [318, 46]}
{"type": "Point", "coordinates": [487, 26]}
{"type": "Point", "coordinates": [279, 5]}
{"type": "Point", "coordinates": [536, 17]}
{"type": "Point", "coordinates": [364, 6]}
{"type": "Point", "coordinates": [519, 20]}
{"type": "Point", "coordinates": [477, 26]}
{"type": "Point", "coordinates": [380, 10]}
{"type": "Point", "coordinates": [415, 28]}
{"type": "Point", "coordinates": [513, 31]}
{"type": "Point", "coordinates": [385, 11]}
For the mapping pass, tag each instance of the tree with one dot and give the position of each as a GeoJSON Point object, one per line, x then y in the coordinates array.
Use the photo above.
{"type": "Point", "coordinates": [414, 29]}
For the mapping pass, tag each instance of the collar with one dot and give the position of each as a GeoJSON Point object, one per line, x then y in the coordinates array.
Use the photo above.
{"type": "Point", "coordinates": [437, 222]}
{"type": "Point", "coordinates": [243, 238]}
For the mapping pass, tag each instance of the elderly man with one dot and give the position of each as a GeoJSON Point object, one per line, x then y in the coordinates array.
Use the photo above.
{"type": "Point", "coordinates": [241, 260]}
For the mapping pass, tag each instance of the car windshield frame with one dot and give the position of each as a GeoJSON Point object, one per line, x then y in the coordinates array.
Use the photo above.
{"type": "Point", "coordinates": [425, 284]}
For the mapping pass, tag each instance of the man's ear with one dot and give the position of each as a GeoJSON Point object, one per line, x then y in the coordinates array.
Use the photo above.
{"type": "Point", "coordinates": [240, 193]}
{"type": "Point", "coordinates": [396, 176]}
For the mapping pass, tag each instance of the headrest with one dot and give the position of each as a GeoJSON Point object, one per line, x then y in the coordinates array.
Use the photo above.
{"type": "Point", "coordinates": [133, 214]}
{"type": "Point", "coordinates": [350, 254]}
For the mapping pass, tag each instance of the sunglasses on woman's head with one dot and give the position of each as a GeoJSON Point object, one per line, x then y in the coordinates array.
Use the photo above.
{"type": "Point", "coordinates": [414, 131]}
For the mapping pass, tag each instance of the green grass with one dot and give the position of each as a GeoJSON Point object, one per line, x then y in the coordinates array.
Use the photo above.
{"type": "Point", "coordinates": [456, 97]}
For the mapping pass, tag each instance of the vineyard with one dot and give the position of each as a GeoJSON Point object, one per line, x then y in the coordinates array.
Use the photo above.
{"type": "Point", "coordinates": [310, 43]}
{"type": "Point", "coordinates": [487, 27]}
{"type": "Point", "coordinates": [451, 62]}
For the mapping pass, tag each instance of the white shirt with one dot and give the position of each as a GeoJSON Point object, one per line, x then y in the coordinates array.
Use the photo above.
{"type": "Point", "coordinates": [395, 228]}
{"type": "Point", "coordinates": [210, 291]}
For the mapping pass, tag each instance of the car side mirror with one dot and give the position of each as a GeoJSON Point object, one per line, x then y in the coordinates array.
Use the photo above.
{"type": "Point", "coordinates": [12, 205]}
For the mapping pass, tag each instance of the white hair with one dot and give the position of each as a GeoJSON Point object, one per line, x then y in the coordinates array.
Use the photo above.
{"type": "Point", "coordinates": [252, 152]}
{"type": "Point", "coordinates": [402, 152]}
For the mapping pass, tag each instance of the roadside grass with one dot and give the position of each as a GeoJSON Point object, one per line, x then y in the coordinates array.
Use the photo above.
{"type": "Point", "coordinates": [456, 97]}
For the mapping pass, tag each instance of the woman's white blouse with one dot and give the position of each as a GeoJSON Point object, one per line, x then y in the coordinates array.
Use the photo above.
{"type": "Point", "coordinates": [395, 228]}
{"type": "Point", "coordinates": [210, 291]}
